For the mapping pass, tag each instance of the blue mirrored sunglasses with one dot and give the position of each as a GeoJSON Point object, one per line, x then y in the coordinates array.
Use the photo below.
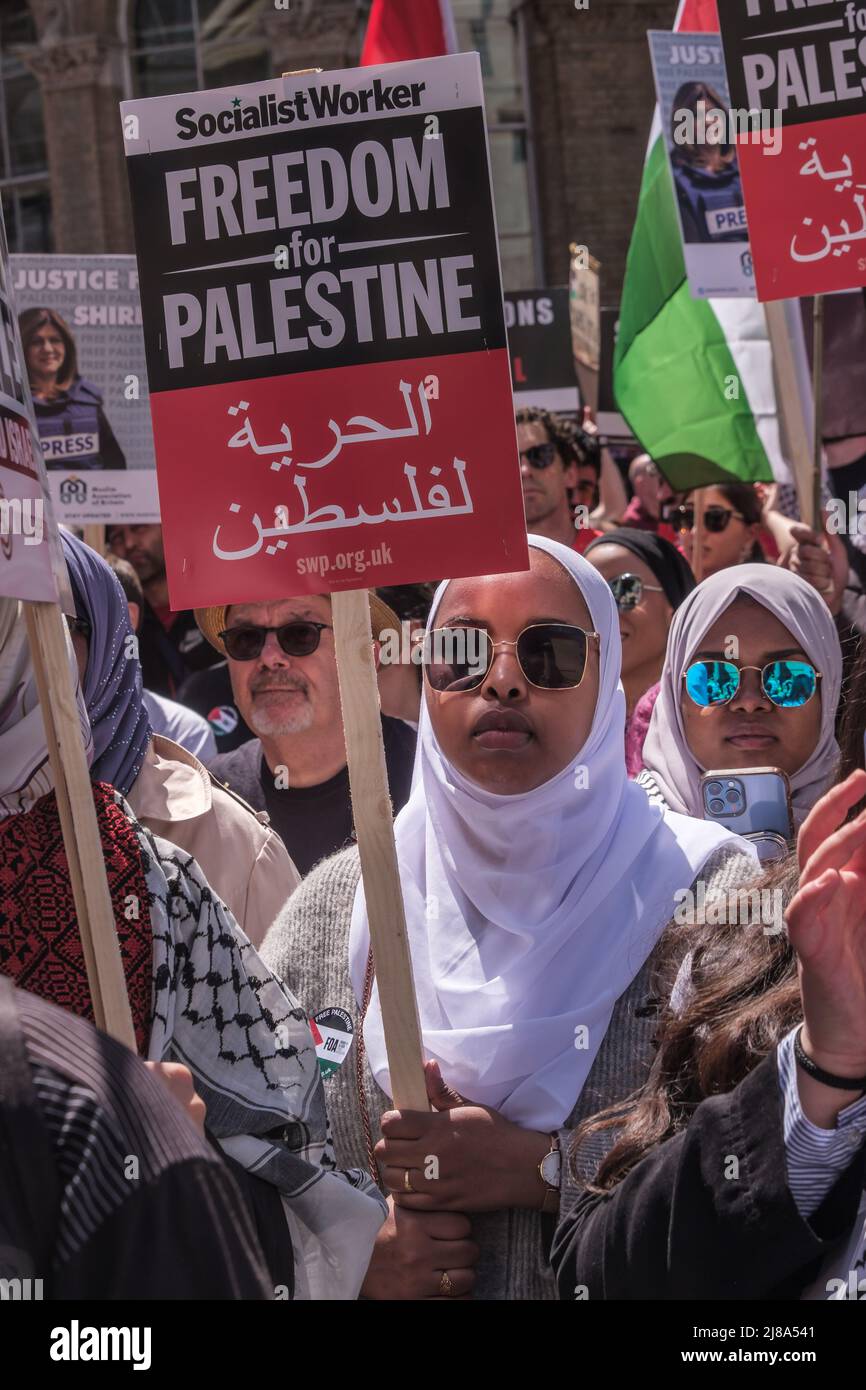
{"type": "Point", "coordinates": [789, 684]}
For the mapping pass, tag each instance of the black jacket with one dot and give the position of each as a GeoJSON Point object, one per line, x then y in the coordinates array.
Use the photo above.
{"type": "Point", "coordinates": [677, 1228]}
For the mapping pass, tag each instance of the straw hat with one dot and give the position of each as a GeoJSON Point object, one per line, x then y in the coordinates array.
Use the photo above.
{"type": "Point", "coordinates": [212, 621]}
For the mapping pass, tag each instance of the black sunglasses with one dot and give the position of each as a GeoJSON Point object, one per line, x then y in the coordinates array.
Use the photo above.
{"type": "Point", "coordinates": [629, 589]}
{"type": "Point", "coordinates": [296, 638]}
{"type": "Point", "coordinates": [540, 456]}
{"type": "Point", "coordinates": [716, 519]}
{"type": "Point", "coordinates": [80, 625]}
{"type": "Point", "coordinates": [552, 656]}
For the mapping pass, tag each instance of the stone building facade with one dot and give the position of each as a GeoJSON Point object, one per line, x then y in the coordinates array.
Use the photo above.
{"type": "Point", "coordinates": [568, 91]}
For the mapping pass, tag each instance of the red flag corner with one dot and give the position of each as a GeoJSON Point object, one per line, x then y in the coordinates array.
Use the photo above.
{"type": "Point", "coordinates": [399, 30]}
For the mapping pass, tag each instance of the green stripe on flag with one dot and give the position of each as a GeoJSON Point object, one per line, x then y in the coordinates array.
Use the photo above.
{"type": "Point", "coordinates": [672, 363]}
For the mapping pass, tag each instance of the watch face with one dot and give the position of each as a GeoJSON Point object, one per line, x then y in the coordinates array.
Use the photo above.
{"type": "Point", "coordinates": [551, 1167]}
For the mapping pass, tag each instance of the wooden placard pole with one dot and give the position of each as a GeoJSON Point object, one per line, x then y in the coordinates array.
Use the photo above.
{"type": "Point", "coordinates": [81, 837]}
{"type": "Point", "coordinates": [94, 536]}
{"type": "Point", "coordinates": [374, 827]}
{"type": "Point", "coordinates": [798, 440]}
{"type": "Point", "coordinates": [818, 398]}
{"type": "Point", "coordinates": [698, 535]}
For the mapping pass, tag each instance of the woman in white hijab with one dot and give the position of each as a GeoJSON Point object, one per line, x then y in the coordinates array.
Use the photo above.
{"type": "Point", "coordinates": [744, 636]}
{"type": "Point", "coordinates": [537, 880]}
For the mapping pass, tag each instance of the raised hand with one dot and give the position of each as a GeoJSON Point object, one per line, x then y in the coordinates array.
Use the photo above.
{"type": "Point", "coordinates": [827, 928]}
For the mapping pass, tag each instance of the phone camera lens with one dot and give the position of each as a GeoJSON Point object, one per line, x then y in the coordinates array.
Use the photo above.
{"type": "Point", "coordinates": [717, 806]}
{"type": "Point", "coordinates": [733, 797]}
{"type": "Point", "coordinates": [714, 788]}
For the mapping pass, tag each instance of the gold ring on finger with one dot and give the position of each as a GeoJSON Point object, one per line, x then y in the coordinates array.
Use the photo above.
{"type": "Point", "coordinates": [446, 1288]}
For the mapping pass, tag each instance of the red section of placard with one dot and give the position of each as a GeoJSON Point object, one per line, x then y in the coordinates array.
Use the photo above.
{"type": "Point", "coordinates": [799, 203]}
{"type": "Point", "coordinates": [349, 478]}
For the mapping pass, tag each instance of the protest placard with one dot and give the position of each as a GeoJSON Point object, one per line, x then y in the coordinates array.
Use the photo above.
{"type": "Point", "coordinates": [326, 353]}
{"type": "Point", "coordinates": [804, 70]}
{"type": "Point", "coordinates": [80, 322]}
{"type": "Point", "coordinates": [694, 108]}
{"type": "Point", "coordinates": [32, 568]}
{"type": "Point", "coordinates": [31, 562]}
{"type": "Point", "coordinates": [539, 346]}
{"type": "Point", "coordinates": [324, 332]}
{"type": "Point", "coordinates": [584, 308]}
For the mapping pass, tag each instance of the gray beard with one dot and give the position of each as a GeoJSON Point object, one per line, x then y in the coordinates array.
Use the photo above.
{"type": "Point", "coordinates": [274, 723]}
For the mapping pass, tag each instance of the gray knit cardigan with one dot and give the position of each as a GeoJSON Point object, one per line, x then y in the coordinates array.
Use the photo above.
{"type": "Point", "coordinates": [307, 948]}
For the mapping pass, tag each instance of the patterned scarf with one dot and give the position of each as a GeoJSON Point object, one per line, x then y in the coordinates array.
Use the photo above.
{"type": "Point", "coordinates": [40, 944]}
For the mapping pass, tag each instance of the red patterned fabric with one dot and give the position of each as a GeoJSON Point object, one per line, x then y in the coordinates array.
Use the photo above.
{"type": "Point", "coordinates": [40, 947]}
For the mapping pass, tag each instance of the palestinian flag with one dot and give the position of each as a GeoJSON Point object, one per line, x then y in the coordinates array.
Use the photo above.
{"type": "Point", "coordinates": [692, 377]}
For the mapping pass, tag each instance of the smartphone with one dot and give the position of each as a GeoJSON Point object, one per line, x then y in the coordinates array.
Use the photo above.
{"type": "Point", "coordinates": [753, 801]}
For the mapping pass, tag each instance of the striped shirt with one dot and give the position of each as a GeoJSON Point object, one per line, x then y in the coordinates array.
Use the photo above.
{"type": "Point", "coordinates": [815, 1157]}
{"type": "Point", "coordinates": [145, 1208]}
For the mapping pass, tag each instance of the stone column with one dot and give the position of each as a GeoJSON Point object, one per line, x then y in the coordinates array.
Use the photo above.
{"type": "Point", "coordinates": [80, 77]}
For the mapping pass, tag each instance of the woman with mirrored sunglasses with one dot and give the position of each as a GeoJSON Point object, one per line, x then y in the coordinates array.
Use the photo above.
{"type": "Point", "coordinates": [751, 678]}
{"type": "Point", "coordinates": [649, 579]}
{"type": "Point", "coordinates": [536, 879]}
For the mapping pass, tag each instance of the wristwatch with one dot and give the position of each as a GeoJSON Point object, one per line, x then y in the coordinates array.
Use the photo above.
{"type": "Point", "coordinates": [550, 1172]}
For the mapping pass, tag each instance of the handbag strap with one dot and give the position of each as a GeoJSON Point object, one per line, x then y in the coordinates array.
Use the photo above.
{"type": "Point", "coordinates": [360, 1058]}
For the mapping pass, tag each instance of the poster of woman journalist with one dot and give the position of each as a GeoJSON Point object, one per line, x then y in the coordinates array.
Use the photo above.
{"type": "Point", "coordinates": [700, 133]}
{"type": "Point", "coordinates": [80, 322]}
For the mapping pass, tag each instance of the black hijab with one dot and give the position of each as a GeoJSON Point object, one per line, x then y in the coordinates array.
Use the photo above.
{"type": "Point", "coordinates": [671, 569]}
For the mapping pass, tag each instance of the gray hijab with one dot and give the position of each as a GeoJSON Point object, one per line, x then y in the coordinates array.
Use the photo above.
{"type": "Point", "coordinates": [666, 753]}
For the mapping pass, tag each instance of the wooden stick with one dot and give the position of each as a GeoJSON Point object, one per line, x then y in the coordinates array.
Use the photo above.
{"type": "Point", "coordinates": [374, 826]}
{"type": "Point", "coordinates": [793, 410]}
{"type": "Point", "coordinates": [94, 536]}
{"type": "Point", "coordinates": [81, 837]}
{"type": "Point", "coordinates": [698, 535]}
{"type": "Point", "coordinates": [818, 396]}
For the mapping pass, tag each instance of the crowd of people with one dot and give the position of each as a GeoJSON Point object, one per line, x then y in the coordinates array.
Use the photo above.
{"type": "Point", "coordinates": [644, 1019]}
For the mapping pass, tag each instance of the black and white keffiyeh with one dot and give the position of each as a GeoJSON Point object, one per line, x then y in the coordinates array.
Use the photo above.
{"type": "Point", "coordinates": [247, 1041]}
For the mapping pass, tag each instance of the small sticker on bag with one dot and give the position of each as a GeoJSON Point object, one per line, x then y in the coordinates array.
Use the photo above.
{"type": "Point", "coordinates": [332, 1033]}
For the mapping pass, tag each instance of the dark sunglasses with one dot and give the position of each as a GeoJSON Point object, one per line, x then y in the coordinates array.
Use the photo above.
{"type": "Point", "coordinates": [716, 519]}
{"type": "Point", "coordinates": [552, 656]}
{"type": "Point", "coordinates": [540, 456]}
{"type": "Point", "coordinates": [298, 638]}
{"type": "Point", "coordinates": [789, 684]}
{"type": "Point", "coordinates": [629, 589]}
{"type": "Point", "coordinates": [80, 625]}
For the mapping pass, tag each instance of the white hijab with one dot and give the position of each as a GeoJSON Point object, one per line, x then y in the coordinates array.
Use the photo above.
{"type": "Point", "coordinates": [666, 752]}
{"type": "Point", "coordinates": [25, 772]}
{"type": "Point", "coordinates": [529, 915]}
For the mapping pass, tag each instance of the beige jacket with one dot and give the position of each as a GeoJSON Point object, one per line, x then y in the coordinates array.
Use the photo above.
{"type": "Point", "coordinates": [243, 860]}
